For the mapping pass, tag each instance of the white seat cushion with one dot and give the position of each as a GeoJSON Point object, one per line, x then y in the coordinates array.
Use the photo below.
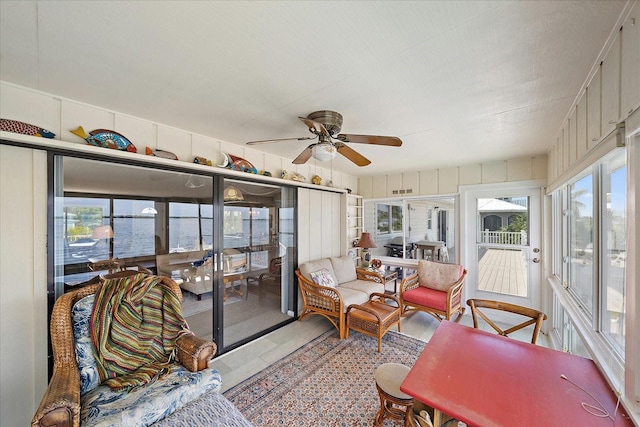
{"type": "Point", "coordinates": [351, 296]}
{"type": "Point", "coordinates": [366, 286]}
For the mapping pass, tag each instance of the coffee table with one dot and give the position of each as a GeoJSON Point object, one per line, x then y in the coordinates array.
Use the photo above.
{"type": "Point", "coordinates": [375, 317]}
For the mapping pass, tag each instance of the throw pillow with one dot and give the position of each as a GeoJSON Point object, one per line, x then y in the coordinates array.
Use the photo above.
{"type": "Point", "coordinates": [437, 275]}
{"type": "Point", "coordinates": [323, 277]}
{"type": "Point", "coordinates": [344, 269]}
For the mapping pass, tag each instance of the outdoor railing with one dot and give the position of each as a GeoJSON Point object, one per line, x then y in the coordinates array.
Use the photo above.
{"type": "Point", "coordinates": [504, 237]}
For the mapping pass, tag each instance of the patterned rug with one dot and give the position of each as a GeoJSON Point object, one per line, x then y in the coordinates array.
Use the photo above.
{"type": "Point", "coordinates": [327, 382]}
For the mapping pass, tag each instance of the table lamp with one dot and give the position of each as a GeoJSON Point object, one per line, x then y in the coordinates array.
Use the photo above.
{"type": "Point", "coordinates": [366, 242]}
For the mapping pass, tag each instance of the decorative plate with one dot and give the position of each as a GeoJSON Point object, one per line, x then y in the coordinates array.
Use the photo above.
{"type": "Point", "coordinates": [376, 263]}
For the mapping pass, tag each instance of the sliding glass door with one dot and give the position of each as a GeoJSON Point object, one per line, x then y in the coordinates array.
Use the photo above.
{"type": "Point", "coordinates": [229, 244]}
{"type": "Point", "coordinates": [256, 259]}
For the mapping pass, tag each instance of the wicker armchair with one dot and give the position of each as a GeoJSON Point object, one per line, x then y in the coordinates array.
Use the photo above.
{"type": "Point", "coordinates": [60, 405]}
{"type": "Point", "coordinates": [441, 300]}
{"type": "Point", "coordinates": [328, 302]}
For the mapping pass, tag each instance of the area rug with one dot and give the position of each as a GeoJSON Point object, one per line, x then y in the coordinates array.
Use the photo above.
{"type": "Point", "coordinates": [327, 382]}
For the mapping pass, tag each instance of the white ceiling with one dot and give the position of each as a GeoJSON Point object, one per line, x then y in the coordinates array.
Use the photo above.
{"type": "Point", "coordinates": [459, 82]}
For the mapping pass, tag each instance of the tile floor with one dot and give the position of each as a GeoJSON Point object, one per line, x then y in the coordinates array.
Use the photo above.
{"type": "Point", "coordinates": [245, 361]}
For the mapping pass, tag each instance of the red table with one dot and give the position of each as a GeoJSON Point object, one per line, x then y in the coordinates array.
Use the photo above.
{"type": "Point", "coordinates": [488, 380]}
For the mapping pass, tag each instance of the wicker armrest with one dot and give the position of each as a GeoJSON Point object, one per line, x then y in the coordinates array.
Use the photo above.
{"type": "Point", "coordinates": [383, 297]}
{"type": "Point", "coordinates": [60, 405]}
{"type": "Point", "coordinates": [372, 276]}
{"type": "Point", "coordinates": [408, 283]}
{"type": "Point", "coordinates": [195, 353]}
{"type": "Point", "coordinates": [322, 297]}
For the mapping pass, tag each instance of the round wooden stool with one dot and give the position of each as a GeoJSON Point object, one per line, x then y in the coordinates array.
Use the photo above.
{"type": "Point", "coordinates": [393, 402]}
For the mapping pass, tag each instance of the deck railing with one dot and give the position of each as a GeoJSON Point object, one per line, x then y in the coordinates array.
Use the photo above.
{"type": "Point", "coordinates": [504, 237]}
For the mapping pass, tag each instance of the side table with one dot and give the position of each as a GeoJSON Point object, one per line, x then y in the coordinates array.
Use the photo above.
{"type": "Point", "coordinates": [390, 275]}
{"type": "Point", "coordinates": [375, 317]}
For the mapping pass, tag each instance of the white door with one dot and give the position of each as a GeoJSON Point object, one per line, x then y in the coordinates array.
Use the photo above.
{"type": "Point", "coordinates": [502, 245]}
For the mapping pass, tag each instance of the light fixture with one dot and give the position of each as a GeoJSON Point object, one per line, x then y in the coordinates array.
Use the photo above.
{"type": "Point", "coordinates": [232, 194]}
{"type": "Point", "coordinates": [149, 210]}
{"type": "Point", "coordinates": [324, 151]}
{"type": "Point", "coordinates": [194, 181]}
{"type": "Point", "coordinates": [366, 242]}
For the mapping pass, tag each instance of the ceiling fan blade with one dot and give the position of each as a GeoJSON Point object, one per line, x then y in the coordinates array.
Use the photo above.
{"type": "Point", "coordinates": [352, 154]}
{"type": "Point", "coordinates": [265, 141]}
{"type": "Point", "coordinates": [315, 127]}
{"type": "Point", "coordinates": [370, 139]}
{"type": "Point", "coordinates": [304, 156]}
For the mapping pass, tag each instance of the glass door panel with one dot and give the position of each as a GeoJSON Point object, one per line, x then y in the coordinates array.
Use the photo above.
{"type": "Point", "coordinates": [504, 244]}
{"type": "Point", "coordinates": [503, 270]}
{"type": "Point", "coordinates": [256, 259]}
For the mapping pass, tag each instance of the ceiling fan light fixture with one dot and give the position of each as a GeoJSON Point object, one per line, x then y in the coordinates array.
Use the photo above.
{"type": "Point", "coordinates": [324, 152]}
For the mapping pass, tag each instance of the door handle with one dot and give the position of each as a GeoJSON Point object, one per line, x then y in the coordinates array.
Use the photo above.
{"type": "Point", "coordinates": [536, 260]}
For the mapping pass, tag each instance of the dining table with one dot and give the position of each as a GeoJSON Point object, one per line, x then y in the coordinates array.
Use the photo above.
{"type": "Point", "coordinates": [487, 380]}
{"type": "Point", "coordinates": [425, 246]}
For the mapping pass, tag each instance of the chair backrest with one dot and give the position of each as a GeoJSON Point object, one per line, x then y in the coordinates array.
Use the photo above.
{"type": "Point", "coordinates": [437, 275]}
{"type": "Point", "coordinates": [111, 265]}
{"type": "Point", "coordinates": [275, 265]}
{"type": "Point", "coordinates": [534, 317]}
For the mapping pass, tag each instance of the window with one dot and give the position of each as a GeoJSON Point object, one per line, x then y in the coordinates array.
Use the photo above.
{"type": "Point", "coordinates": [389, 218]}
{"type": "Point", "coordinates": [400, 223]}
{"type": "Point", "coordinates": [581, 254]}
{"type": "Point", "coordinates": [590, 225]}
{"type": "Point", "coordinates": [613, 213]}
{"type": "Point", "coordinates": [383, 219]}
{"type": "Point", "coordinates": [491, 223]}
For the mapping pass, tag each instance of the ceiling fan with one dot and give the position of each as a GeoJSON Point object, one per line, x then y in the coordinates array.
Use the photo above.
{"type": "Point", "coordinates": [325, 125]}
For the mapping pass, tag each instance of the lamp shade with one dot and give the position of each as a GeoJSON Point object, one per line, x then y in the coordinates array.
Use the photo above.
{"type": "Point", "coordinates": [232, 194]}
{"type": "Point", "coordinates": [324, 152]}
{"type": "Point", "coordinates": [102, 232]}
{"type": "Point", "coordinates": [366, 241]}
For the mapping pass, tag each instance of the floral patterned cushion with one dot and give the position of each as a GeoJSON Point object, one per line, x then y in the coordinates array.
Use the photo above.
{"type": "Point", "coordinates": [323, 277]}
{"type": "Point", "coordinates": [145, 405]}
{"type": "Point", "coordinates": [80, 317]}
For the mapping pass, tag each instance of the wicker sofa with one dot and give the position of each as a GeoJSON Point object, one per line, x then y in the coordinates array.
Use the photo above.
{"type": "Point", "coordinates": [329, 285]}
{"type": "Point", "coordinates": [75, 396]}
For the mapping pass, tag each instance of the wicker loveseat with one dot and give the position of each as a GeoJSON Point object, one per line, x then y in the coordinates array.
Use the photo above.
{"type": "Point", "coordinates": [74, 395]}
{"type": "Point", "coordinates": [329, 285]}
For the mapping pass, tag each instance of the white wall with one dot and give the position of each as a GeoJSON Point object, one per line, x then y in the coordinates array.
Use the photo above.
{"type": "Point", "coordinates": [448, 180]}
{"type": "Point", "coordinates": [23, 283]}
{"type": "Point", "coordinates": [61, 115]}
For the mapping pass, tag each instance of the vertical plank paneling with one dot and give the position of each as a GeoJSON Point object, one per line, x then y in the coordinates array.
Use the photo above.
{"type": "Point", "coordinates": [303, 225]}
{"type": "Point", "coordinates": [23, 282]}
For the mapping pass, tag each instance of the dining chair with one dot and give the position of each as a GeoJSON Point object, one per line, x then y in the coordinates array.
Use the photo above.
{"type": "Point", "coordinates": [535, 317]}
{"type": "Point", "coordinates": [111, 265]}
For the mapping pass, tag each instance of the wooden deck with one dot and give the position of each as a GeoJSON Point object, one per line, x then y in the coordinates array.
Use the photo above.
{"type": "Point", "coordinates": [503, 271]}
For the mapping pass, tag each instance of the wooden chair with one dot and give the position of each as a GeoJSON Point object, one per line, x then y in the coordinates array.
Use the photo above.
{"type": "Point", "coordinates": [272, 280]}
{"type": "Point", "coordinates": [535, 317]}
{"type": "Point", "coordinates": [439, 294]}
